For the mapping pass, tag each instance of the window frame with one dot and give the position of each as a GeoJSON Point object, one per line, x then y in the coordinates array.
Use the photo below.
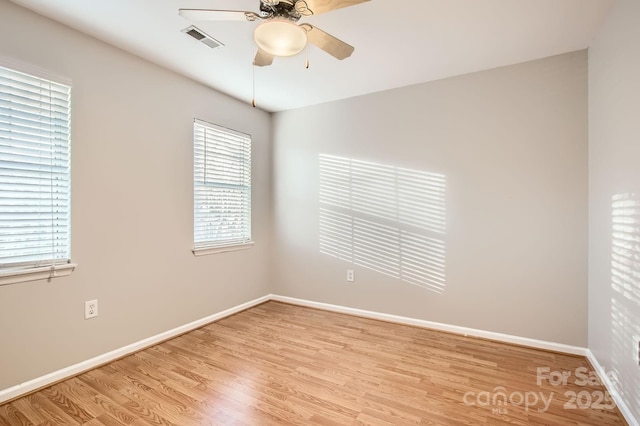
{"type": "Point", "coordinates": [37, 270]}
{"type": "Point", "coordinates": [213, 246]}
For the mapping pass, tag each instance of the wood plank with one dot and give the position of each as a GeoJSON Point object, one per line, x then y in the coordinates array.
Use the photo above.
{"type": "Point", "coordinates": [284, 364]}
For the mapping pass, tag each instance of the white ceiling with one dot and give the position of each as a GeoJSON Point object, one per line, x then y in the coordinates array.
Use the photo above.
{"type": "Point", "coordinates": [397, 42]}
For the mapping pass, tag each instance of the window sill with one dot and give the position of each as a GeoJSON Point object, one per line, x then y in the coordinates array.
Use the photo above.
{"type": "Point", "coordinates": [35, 274]}
{"type": "Point", "coordinates": [214, 250]}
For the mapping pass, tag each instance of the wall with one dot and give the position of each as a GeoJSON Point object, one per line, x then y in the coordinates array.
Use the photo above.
{"type": "Point", "coordinates": [614, 199]}
{"type": "Point", "coordinates": [132, 208]}
{"type": "Point", "coordinates": [502, 155]}
{"type": "Point", "coordinates": [501, 246]}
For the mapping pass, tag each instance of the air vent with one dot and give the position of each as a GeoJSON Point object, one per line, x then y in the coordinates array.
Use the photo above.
{"type": "Point", "coordinates": [202, 37]}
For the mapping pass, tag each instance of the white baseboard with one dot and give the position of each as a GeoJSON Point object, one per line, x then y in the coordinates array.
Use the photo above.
{"type": "Point", "coordinates": [507, 338]}
{"type": "Point", "coordinates": [615, 395]}
{"type": "Point", "coordinates": [56, 376]}
{"type": "Point", "coordinates": [524, 341]}
{"type": "Point", "coordinates": [73, 370]}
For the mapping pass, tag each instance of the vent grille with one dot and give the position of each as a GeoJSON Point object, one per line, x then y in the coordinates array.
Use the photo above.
{"type": "Point", "coordinates": [202, 37]}
{"type": "Point", "coordinates": [195, 34]}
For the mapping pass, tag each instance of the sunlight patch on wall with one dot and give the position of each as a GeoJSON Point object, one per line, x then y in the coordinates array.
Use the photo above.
{"type": "Point", "coordinates": [388, 219]}
{"type": "Point", "coordinates": [625, 303]}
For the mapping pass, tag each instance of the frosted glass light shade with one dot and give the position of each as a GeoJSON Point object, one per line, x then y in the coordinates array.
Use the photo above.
{"type": "Point", "coordinates": [280, 37]}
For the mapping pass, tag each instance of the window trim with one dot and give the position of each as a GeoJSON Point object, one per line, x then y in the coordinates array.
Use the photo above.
{"type": "Point", "coordinates": [34, 70]}
{"type": "Point", "coordinates": [14, 276]}
{"type": "Point", "coordinates": [28, 273]}
{"type": "Point", "coordinates": [215, 247]}
{"type": "Point", "coordinates": [204, 251]}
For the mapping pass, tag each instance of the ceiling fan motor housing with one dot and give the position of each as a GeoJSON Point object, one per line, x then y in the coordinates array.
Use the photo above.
{"type": "Point", "coordinates": [280, 9]}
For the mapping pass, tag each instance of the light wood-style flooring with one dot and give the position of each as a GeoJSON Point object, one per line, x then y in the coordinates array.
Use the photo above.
{"type": "Point", "coordinates": [283, 364]}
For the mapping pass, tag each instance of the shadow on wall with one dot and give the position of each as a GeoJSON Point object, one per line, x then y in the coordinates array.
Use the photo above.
{"type": "Point", "coordinates": [388, 219]}
{"type": "Point", "coordinates": [625, 302]}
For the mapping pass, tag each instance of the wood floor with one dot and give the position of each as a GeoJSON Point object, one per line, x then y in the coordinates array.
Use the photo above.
{"type": "Point", "coordinates": [283, 364]}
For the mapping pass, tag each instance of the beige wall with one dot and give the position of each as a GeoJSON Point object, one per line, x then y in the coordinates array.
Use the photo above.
{"type": "Point", "coordinates": [511, 144]}
{"type": "Point", "coordinates": [507, 145]}
{"type": "Point", "coordinates": [131, 206]}
{"type": "Point", "coordinates": [614, 199]}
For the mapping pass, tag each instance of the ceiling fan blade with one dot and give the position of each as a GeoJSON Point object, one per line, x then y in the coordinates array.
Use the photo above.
{"type": "Point", "coordinates": [333, 46]}
{"type": "Point", "coordinates": [217, 15]}
{"type": "Point", "coordinates": [317, 7]}
{"type": "Point", "coordinates": [263, 59]}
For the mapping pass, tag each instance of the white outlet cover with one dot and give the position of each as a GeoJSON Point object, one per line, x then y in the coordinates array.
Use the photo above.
{"type": "Point", "coordinates": [350, 275]}
{"type": "Point", "coordinates": [90, 309]}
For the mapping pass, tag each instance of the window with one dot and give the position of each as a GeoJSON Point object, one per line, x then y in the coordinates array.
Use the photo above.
{"type": "Point", "coordinates": [34, 176]}
{"type": "Point", "coordinates": [222, 189]}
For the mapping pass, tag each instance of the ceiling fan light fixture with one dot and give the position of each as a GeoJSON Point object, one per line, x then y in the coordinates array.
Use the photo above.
{"type": "Point", "coordinates": [280, 37]}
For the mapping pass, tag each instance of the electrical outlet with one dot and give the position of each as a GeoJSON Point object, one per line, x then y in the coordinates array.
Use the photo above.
{"type": "Point", "coordinates": [350, 275]}
{"type": "Point", "coordinates": [91, 309]}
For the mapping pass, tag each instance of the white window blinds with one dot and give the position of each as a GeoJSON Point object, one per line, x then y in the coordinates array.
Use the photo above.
{"type": "Point", "coordinates": [34, 171]}
{"type": "Point", "coordinates": [222, 186]}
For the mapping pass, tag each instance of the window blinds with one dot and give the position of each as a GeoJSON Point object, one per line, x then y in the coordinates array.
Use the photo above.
{"type": "Point", "coordinates": [222, 186]}
{"type": "Point", "coordinates": [34, 170]}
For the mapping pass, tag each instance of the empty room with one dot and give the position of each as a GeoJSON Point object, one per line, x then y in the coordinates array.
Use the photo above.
{"type": "Point", "coordinates": [335, 212]}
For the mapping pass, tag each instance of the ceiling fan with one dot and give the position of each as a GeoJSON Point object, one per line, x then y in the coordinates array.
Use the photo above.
{"type": "Point", "coordinates": [279, 34]}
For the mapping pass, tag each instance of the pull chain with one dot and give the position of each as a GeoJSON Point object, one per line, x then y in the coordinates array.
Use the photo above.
{"type": "Point", "coordinates": [253, 74]}
{"type": "Point", "coordinates": [306, 52]}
